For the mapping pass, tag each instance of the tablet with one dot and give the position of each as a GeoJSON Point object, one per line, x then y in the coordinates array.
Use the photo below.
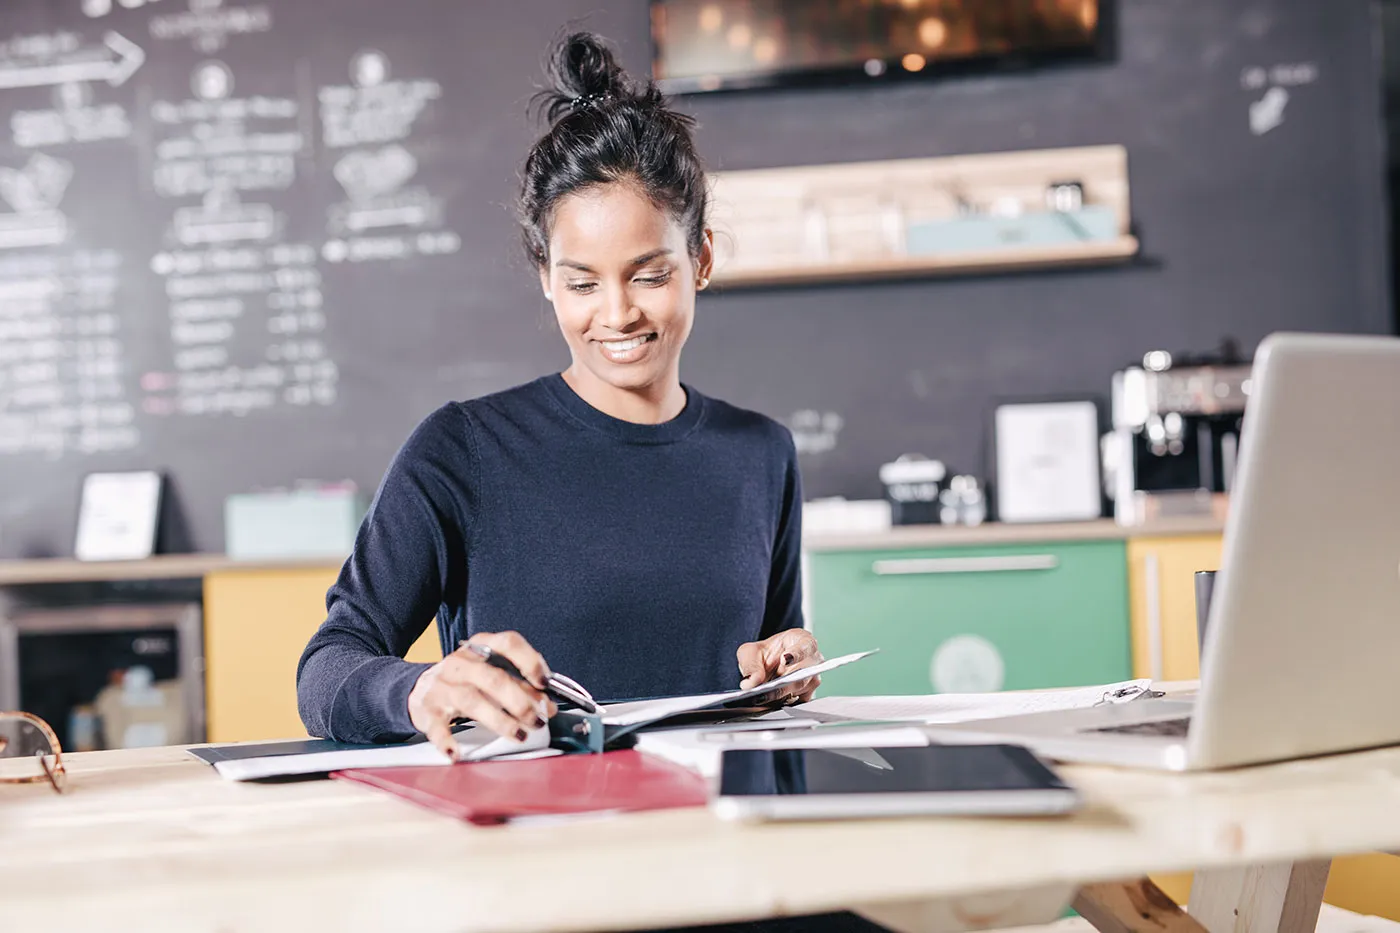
{"type": "Point", "coordinates": [835, 783]}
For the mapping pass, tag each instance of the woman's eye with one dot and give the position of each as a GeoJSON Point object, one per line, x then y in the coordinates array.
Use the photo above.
{"type": "Point", "coordinates": [582, 288]}
{"type": "Point", "coordinates": [653, 281]}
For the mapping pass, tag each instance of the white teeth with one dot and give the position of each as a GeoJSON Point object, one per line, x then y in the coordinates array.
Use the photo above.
{"type": "Point", "coordinates": [622, 346]}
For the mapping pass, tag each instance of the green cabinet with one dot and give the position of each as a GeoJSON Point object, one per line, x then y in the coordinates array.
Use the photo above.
{"type": "Point", "coordinates": [972, 619]}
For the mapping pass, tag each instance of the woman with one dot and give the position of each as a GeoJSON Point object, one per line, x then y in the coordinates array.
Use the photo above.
{"type": "Point", "coordinates": [640, 536]}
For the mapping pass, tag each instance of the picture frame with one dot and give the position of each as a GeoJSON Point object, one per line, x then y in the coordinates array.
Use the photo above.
{"type": "Point", "coordinates": [1046, 459]}
{"type": "Point", "coordinates": [118, 516]}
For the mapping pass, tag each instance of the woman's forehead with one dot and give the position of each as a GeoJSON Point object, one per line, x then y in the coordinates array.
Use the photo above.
{"type": "Point", "coordinates": [612, 222]}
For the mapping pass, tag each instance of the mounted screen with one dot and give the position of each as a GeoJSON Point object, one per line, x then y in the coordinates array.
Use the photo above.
{"type": "Point", "coordinates": [710, 45]}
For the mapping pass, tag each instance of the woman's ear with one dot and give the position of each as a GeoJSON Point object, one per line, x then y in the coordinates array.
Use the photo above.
{"type": "Point", "coordinates": [544, 283]}
{"type": "Point", "coordinates": [706, 264]}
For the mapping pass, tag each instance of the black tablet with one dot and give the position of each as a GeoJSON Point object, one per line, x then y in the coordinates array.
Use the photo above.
{"type": "Point", "coordinates": [833, 783]}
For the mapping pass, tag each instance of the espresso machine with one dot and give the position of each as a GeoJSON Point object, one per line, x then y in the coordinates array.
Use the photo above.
{"type": "Point", "coordinates": [1175, 438]}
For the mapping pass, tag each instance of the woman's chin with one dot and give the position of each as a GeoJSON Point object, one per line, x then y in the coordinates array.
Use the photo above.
{"type": "Point", "coordinates": [631, 377]}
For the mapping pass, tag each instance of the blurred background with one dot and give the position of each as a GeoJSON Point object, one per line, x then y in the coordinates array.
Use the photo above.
{"type": "Point", "coordinates": [1000, 266]}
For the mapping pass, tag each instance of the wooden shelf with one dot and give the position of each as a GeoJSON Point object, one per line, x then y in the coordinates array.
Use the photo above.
{"type": "Point", "coordinates": [164, 567]}
{"type": "Point", "coordinates": [1097, 253]}
{"type": "Point", "coordinates": [940, 216]}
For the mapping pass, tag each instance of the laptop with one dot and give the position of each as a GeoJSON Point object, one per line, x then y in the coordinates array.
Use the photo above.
{"type": "Point", "coordinates": [1301, 649]}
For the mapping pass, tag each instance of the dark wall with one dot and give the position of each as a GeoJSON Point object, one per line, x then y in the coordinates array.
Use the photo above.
{"type": "Point", "coordinates": [1242, 234]}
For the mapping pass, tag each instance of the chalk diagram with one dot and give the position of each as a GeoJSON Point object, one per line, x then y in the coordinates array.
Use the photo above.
{"type": "Point", "coordinates": [374, 184]}
{"type": "Point", "coordinates": [33, 194]}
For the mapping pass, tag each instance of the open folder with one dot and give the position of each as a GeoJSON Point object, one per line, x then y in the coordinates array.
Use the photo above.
{"type": "Point", "coordinates": [245, 762]}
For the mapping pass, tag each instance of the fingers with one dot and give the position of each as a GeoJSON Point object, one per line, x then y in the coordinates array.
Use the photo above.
{"type": "Point", "coordinates": [777, 655]}
{"type": "Point", "coordinates": [804, 690]}
{"type": "Point", "coordinates": [523, 704]}
{"type": "Point", "coordinates": [440, 734]}
{"type": "Point", "coordinates": [796, 649]}
{"type": "Point", "coordinates": [513, 645]}
{"type": "Point", "coordinates": [752, 664]}
{"type": "Point", "coordinates": [463, 686]}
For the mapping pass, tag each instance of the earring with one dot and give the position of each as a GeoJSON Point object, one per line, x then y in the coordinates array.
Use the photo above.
{"type": "Point", "coordinates": [702, 283]}
{"type": "Point", "coordinates": [549, 296]}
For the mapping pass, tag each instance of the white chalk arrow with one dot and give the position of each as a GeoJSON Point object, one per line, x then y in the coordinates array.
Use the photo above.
{"type": "Point", "coordinates": [114, 63]}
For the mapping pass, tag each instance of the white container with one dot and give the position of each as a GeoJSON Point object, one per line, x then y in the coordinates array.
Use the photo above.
{"type": "Point", "coordinates": [307, 523]}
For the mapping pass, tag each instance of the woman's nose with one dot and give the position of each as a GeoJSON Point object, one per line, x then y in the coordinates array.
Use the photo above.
{"type": "Point", "coordinates": [618, 310]}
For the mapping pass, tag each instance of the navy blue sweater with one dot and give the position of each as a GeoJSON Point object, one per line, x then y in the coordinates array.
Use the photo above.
{"type": "Point", "coordinates": [635, 558]}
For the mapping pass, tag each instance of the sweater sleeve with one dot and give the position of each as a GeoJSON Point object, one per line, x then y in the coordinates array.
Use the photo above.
{"type": "Point", "coordinates": [783, 609]}
{"type": "Point", "coordinates": [352, 680]}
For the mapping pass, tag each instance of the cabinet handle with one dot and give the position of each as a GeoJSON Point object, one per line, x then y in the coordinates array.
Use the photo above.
{"type": "Point", "coordinates": [1152, 582]}
{"type": "Point", "coordinates": [920, 565]}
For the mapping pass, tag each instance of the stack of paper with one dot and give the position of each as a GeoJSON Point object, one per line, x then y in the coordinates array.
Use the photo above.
{"type": "Point", "coordinates": [866, 722]}
{"type": "Point", "coordinates": [966, 707]}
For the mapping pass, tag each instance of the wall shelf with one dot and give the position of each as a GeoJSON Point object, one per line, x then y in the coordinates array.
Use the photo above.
{"type": "Point", "coordinates": [1110, 252]}
{"type": "Point", "coordinates": [959, 215]}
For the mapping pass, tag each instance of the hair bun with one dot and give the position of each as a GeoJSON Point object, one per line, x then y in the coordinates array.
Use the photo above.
{"type": "Point", "coordinates": [583, 70]}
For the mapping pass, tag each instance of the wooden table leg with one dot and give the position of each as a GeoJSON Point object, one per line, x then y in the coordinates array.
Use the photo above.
{"type": "Point", "coordinates": [1281, 898]}
{"type": "Point", "coordinates": [1133, 907]}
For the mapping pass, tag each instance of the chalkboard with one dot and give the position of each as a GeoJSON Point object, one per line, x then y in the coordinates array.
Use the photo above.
{"type": "Point", "coordinates": [253, 243]}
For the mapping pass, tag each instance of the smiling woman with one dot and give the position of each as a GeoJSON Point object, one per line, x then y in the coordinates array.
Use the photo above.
{"type": "Point", "coordinates": [613, 213]}
{"type": "Point", "coordinates": [608, 520]}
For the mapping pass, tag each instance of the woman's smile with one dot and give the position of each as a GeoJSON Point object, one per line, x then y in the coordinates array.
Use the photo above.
{"type": "Point", "coordinates": [627, 349]}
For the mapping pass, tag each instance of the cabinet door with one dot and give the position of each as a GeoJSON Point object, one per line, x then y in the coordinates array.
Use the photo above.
{"type": "Point", "coordinates": [972, 619]}
{"type": "Point", "coordinates": [256, 624]}
{"type": "Point", "coordinates": [1163, 592]}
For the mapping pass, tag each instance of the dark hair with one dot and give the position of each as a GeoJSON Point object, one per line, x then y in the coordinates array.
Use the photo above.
{"type": "Point", "coordinates": [605, 129]}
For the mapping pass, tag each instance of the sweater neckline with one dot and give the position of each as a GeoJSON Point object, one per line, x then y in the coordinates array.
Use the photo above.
{"type": "Point", "coordinates": [666, 432]}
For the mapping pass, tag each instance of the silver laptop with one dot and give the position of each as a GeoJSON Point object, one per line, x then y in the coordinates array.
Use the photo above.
{"type": "Point", "coordinates": [1301, 652]}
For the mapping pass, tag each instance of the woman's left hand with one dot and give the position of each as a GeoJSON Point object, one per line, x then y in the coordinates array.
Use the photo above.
{"type": "Point", "coordinates": [790, 650]}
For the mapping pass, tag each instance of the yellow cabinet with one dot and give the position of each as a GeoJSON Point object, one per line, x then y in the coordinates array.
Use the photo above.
{"type": "Point", "coordinates": [256, 623]}
{"type": "Point", "coordinates": [1162, 594]}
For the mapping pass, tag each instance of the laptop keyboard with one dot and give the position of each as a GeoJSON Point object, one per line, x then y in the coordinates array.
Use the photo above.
{"type": "Point", "coordinates": [1172, 728]}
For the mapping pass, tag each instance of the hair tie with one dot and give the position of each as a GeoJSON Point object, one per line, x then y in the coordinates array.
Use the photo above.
{"type": "Point", "coordinates": [588, 100]}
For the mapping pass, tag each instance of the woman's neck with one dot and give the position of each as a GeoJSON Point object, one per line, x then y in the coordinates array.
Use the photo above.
{"type": "Point", "coordinates": [652, 404]}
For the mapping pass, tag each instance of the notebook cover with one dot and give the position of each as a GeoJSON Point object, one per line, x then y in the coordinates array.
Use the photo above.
{"type": "Point", "coordinates": [236, 751]}
{"type": "Point", "coordinates": [490, 792]}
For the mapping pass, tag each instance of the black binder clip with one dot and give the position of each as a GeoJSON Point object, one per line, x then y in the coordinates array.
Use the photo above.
{"type": "Point", "coordinates": [576, 731]}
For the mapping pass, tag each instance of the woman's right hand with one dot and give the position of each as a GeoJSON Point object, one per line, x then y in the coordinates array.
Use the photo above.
{"type": "Point", "coordinates": [463, 686]}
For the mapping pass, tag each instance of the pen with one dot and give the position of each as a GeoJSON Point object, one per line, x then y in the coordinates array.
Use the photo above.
{"type": "Point", "coordinates": [557, 687]}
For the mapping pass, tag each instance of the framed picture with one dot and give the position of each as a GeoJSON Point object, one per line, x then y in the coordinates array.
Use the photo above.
{"type": "Point", "coordinates": [1047, 461]}
{"type": "Point", "coordinates": [118, 516]}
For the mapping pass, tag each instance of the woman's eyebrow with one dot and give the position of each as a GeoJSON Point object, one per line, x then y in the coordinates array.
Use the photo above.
{"type": "Point", "coordinates": [648, 257]}
{"type": "Point", "coordinates": [639, 261]}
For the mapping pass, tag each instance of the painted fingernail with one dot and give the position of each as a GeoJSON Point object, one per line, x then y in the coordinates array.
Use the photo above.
{"type": "Point", "coordinates": [519, 735]}
{"type": "Point", "coordinates": [539, 723]}
{"type": "Point", "coordinates": [788, 658]}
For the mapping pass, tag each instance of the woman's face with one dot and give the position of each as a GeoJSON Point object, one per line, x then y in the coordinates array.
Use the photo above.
{"type": "Point", "coordinates": [623, 286]}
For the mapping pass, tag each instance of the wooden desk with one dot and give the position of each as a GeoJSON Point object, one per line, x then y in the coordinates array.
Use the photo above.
{"type": "Point", "coordinates": [153, 840]}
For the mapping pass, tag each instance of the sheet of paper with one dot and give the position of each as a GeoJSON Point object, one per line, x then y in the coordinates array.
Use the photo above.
{"type": "Point", "coordinates": [477, 745]}
{"type": "Point", "coordinates": [966, 707]}
{"type": "Point", "coordinates": [699, 750]}
{"type": "Point", "coordinates": [644, 711]}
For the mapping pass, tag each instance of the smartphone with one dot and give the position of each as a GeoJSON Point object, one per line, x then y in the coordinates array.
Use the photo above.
{"type": "Point", "coordinates": [850, 783]}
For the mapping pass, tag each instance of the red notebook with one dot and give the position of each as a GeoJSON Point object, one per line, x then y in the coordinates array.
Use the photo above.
{"type": "Point", "coordinates": [488, 792]}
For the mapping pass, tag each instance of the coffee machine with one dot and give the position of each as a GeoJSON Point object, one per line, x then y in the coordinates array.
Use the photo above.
{"type": "Point", "coordinates": [1175, 437]}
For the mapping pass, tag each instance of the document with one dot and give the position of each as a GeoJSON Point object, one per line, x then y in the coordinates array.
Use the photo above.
{"type": "Point", "coordinates": [642, 712]}
{"type": "Point", "coordinates": [966, 707]}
